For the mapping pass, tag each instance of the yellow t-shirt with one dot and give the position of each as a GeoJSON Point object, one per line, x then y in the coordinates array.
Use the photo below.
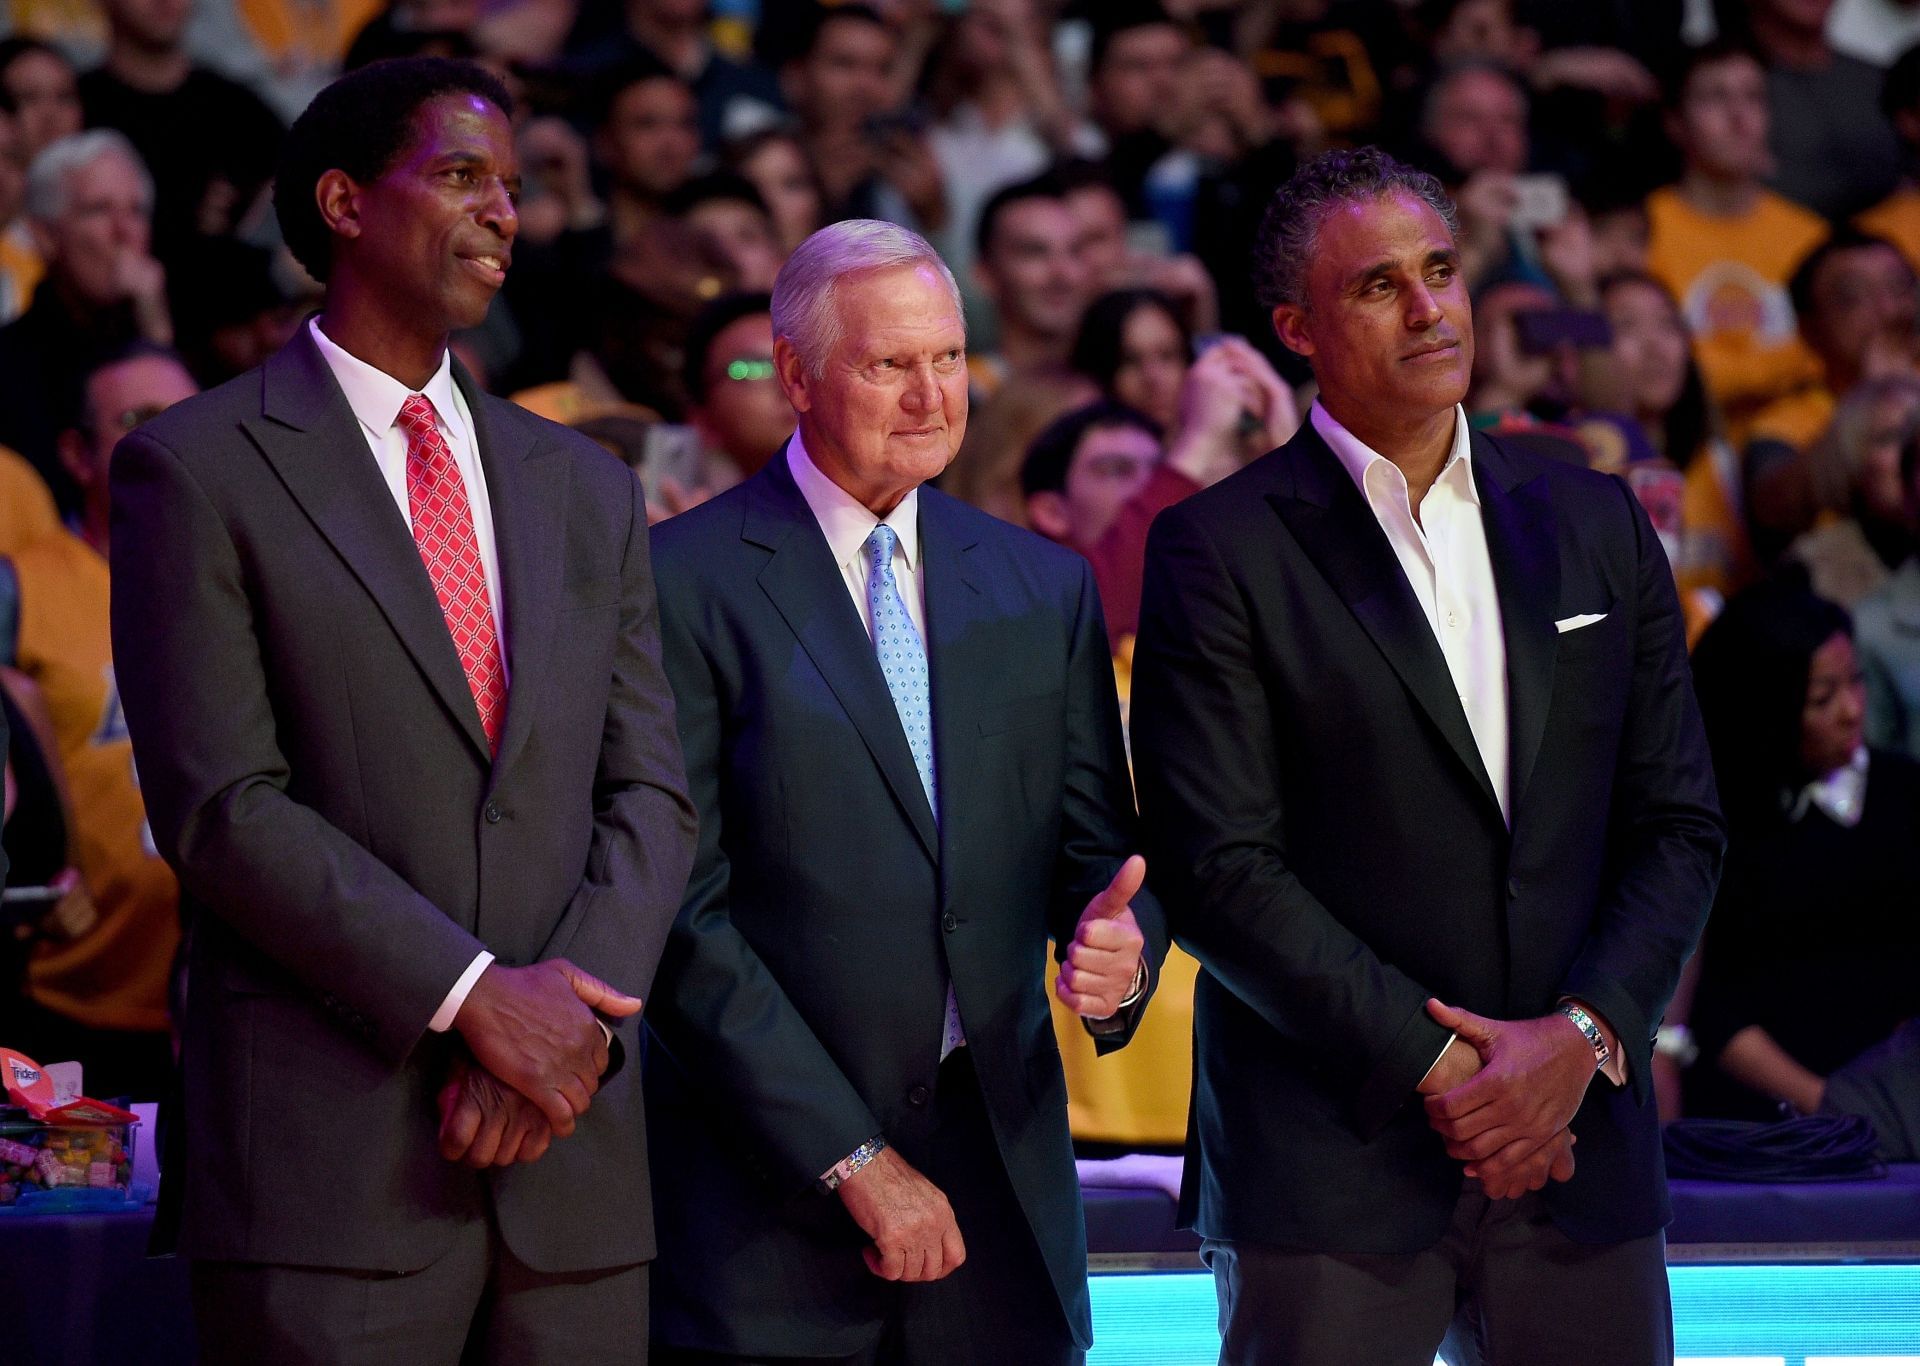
{"type": "Point", "coordinates": [115, 975]}
{"type": "Point", "coordinates": [20, 271]}
{"type": "Point", "coordinates": [27, 513]}
{"type": "Point", "coordinates": [1897, 218]}
{"type": "Point", "coordinates": [1715, 551]}
{"type": "Point", "coordinates": [1798, 420]}
{"type": "Point", "coordinates": [1730, 276]}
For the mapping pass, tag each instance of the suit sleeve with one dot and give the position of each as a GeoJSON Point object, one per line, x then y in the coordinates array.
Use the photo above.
{"type": "Point", "coordinates": [616, 923]}
{"type": "Point", "coordinates": [1099, 823]}
{"type": "Point", "coordinates": [719, 1012]}
{"type": "Point", "coordinates": [196, 694]}
{"type": "Point", "coordinates": [1665, 830]}
{"type": "Point", "coordinates": [1211, 791]}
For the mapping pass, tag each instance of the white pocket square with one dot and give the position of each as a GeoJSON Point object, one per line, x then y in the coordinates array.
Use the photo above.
{"type": "Point", "coordinates": [1567, 624]}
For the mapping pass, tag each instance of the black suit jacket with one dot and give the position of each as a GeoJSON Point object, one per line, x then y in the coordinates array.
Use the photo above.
{"type": "Point", "coordinates": [314, 769]}
{"type": "Point", "coordinates": [1320, 822]}
{"type": "Point", "coordinates": [803, 989]}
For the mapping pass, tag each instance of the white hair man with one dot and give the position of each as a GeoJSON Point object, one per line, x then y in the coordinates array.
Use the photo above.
{"type": "Point", "coordinates": [900, 727]}
{"type": "Point", "coordinates": [89, 203]}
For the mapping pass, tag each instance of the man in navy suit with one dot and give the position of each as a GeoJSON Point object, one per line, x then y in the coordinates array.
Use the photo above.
{"type": "Point", "coordinates": [1421, 770]}
{"type": "Point", "coordinates": [902, 736]}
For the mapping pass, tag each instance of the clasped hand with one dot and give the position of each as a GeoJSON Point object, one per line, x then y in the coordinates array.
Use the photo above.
{"type": "Point", "coordinates": [1505, 1112]}
{"type": "Point", "coordinates": [1100, 964]}
{"type": "Point", "coordinates": [535, 1054]}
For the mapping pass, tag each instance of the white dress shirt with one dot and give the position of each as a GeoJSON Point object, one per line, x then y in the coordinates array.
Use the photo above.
{"type": "Point", "coordinates": [1442, 550]}
{"type": "Point", "coordinates": [375, 397]}
{"type": "Point", "coordinates": [1443, 553]}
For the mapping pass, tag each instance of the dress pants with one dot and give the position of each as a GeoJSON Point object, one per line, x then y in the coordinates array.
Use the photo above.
{"type": "Point", "coordinates": [999, 1307]}
{"type": "Point", "coordinates": [478, 1305]}
{"type": "Point", "coordinates": [1504, 1287]}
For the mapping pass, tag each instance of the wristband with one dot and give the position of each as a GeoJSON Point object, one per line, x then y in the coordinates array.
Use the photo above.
{"type": "Point", "coordinates": [1585, 1024]}
{"type": "Point", "coordinates": [838, 1173]}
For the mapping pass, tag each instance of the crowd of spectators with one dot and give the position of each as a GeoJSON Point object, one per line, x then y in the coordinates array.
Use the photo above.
{"type": "Point", "coordinates": [1692, 231]}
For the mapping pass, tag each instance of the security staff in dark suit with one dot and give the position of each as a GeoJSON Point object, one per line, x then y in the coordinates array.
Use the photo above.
{"type": "Point", "coordinates": [1422, 775]}
{"type": "Point", "coordinates": [390, 657]}
{"type": "Point", "coordinates": [902, 735]}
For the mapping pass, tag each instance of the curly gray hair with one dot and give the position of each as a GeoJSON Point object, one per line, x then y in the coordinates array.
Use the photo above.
{"type": "Point", "coordinates": [1299, 207]}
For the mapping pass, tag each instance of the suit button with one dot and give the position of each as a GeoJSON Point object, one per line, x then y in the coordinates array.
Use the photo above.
{"type": "Point", "coordinates": [493, 813]}
{"type": "Point", "coordinates": [919, 1096]}
{"type": "Point", "coordinates": [949, 922]}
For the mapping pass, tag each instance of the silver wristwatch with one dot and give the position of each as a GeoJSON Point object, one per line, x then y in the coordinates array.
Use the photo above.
{"type": "Point", "coordinates": [1585, 1024]}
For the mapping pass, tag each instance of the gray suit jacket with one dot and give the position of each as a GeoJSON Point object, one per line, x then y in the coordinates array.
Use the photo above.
{"type": "Point", "coordinates": [314, 770]}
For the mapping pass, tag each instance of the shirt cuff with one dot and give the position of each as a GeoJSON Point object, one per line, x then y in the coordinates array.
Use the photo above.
{"type": "Point", "coordinates": [1134, 993]}
{"type": "Point", "coordinates": [1436, 1061]}
{"type": "Point", "coordinates": [442, 1019]}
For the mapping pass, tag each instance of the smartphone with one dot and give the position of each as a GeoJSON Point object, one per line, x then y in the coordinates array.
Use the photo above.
{"type": "Point", "coordinates": [1543, 331]}
{"type": "Point", "coordinates": [1539, 201]}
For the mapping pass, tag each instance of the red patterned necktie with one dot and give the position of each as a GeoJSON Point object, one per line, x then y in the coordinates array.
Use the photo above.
{"type": "Point", "coordinates": [443, 529]}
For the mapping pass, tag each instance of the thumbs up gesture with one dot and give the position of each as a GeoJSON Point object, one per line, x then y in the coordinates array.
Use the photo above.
{"type": "Point", "coordinates": [1101, 962]}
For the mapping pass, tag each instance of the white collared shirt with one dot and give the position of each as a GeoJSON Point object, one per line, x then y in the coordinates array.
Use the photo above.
{"type": "Point", "coordinates": [1443, 553]}
{"type": "Point", "coordinates": [375, 397]}
{"type": "Point", "coordinates": [846, 523]}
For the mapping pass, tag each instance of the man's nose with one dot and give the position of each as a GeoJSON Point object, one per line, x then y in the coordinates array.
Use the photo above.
{"type": "Point", "coordinates": [1423, 310]}
{"type": "Point", "coordinates": [922, 392]}
{"type": "Point", "coordinates": [497, 211]}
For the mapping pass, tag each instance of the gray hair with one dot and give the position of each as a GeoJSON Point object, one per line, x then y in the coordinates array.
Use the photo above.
{"type": "Point", "coordinates": [1292, 224]}
{"type": "Point", "coordinates": [803, 292]}
{"type": "Point", "coordinates": [46, 197]}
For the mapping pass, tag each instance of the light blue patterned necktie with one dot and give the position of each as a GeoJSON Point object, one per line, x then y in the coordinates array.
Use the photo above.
{"type": "Point", "coordinates": [903, 657]}
{"type": "Point", "coordinates": [903, 661]}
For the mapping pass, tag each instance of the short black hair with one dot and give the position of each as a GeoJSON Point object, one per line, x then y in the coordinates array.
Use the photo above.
{"type": "Point", "coordinates": [1083, 173]}
{"type": "Point", "coordinates": [714, 186]}
{"type": "Point", "coordinates": [640, 68]}
{"type": "Point", "coordinates": [1050, 455]}
{"type": "Point", "coordinates": [16, 47]}
{"type": "Point", "coordinates": [360, 124]}
{"type": "Point", "coordinates": [1043, 186]}
{"type": "Point", "coordinates": [1692, 59]}
{"type": "Point", "coordinates": [105, 358]}
{"type": "Point", "coordinates": [831, 14]}
{"type": "Point", "coordinates": [705, 329]}
{"type": "Point", "coordinates": [1806, 275]}
{"type": "Point", "coordinates": [1097, 350]}
{"type": "Point", "coordinates": [1123, 16]}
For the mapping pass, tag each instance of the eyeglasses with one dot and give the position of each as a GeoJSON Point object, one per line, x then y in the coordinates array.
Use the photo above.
{"type": "Point", "coordinates": [749, 369]}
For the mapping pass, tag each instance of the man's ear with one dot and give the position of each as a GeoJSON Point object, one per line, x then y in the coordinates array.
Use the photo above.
{"type": "Point", "coordinates": [337, 197]}
{"type": "Point", "coordinates": [76, 457]}
{"type": "Point", "coordinates": [1047, 514]}
{"type": "Point", "coordinates": [1290, 326]}
{"type": "Point", "coordinates": [791, 370]}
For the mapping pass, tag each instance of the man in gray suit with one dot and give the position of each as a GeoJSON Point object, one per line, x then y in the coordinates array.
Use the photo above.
{"type": "Point", "coordinates": [390, 656]}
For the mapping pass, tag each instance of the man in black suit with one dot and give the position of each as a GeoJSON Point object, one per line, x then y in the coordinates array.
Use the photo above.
{"type": "Point", "coordinates": [1422, 776]}
{"type": "Point", "coordinates": [902, 736]}
{"type": "Point", "coordinates": [390, 657]}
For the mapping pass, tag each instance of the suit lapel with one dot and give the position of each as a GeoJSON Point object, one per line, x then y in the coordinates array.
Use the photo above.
{"type": "Point", "coordinates": [1338, 531]}
{"type": "Point", "coordinates": [310, 436]}
{"type": "Point", "coordinates": [1523, 547]}
{"type": "Point", "coordinates": [806, 587]}
{"type": "Point", "coordinates": [956, 659]}
{"type": "Point", "coordinates": [526, 486]}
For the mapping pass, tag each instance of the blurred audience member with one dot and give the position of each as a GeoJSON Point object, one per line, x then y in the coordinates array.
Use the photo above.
{"type": "Point", "coordinates": [999, 115]}
{"type": "Point", "coordinates": [20, 263]}
{"type": "Point", "coordinates": [1808, 960]}
{"type": "Point", "coordinates": [1100, 214]}
{"type": "Point", "coordinates": [1856, 302]}
{"type": "Point", "coordinates": [1834, 150]}
{"type": "Point", "coordinates": [1133, 85]}
{"type": "Point", "coordinates": [39, 84]}
{"type": "Point", "coordinates": [1475, 121]}
{"type": "Point", "coordinates": [986, 471]}
{"type": "Point", "coordinates": [734, 404]}
{"type": "Point", "coordinates": [1864, 532]}
{"type": "Point", "coordinates": [1723, 243]}
{"type": "Point", "coordinates": [1887, 632]}
{"type": "Point", "coordinates": [100, 998]}
{"type": "Point", "coordinates": [776, 165]}
{"type": "Point", "coordinates": [1897, 217]}
{"type": "Point", "coordinates": [647, 138]}
{"type": "Point", "coordinates": [89, 199]}
{"type": "Point", "coordinates": [1029, 264]}
{"type": "Point", "coordinates": [209, 143]}
{"type": "Point", "coordinates": [734, 98]}
{"type": "Point", "coordinates": [1653, 378]}
{"type": "Point", "coordinates": [729, 216]}
{"type": "Point", "coordinates": [1512, 372]}
{"type": "Point", "coordinates": [223, 332]}
{"type": "Point", "coordinates": [871, 158]}
{"type": "Point", "coordinates": [1136, 347]}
